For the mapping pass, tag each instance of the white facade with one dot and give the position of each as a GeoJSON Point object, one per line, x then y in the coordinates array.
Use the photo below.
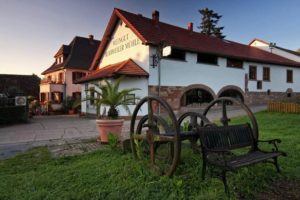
{"type": "Point", "coordinates": [59, 81]}
{"type": "Point", "coordinates": [124, 45]}
{"type": "Point", "coordinates": [265, 46]}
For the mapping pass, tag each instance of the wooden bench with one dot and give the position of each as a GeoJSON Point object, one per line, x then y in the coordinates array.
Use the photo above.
{"type": "Point", "coordinates": [218, 143]}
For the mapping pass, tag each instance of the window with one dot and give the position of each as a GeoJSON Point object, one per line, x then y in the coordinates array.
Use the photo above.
{"type": "Point", "coordinates": [77, 75]}
{"type": "Point", "coordinates": [56, 97]}
{"type": "Point", "coordinates": [289, 76]}
{"type": "Point", "coordinates": [234, 63]}
{"type": "Point", "coordinates": [259, 85]}
{"type": "Point", "coordinates": [252, 72]}
{"type": "Point", "coordinates": [49, 78]}
{"type": "Point", "coordinates": [130, 99]}
{"type": "Point", "coordinates": [177, 54]}
{"type": "Point", "coordinates": [60, 78]}
{"type": "Point", "coordinates": [92, 95]}
{"type": "Point", "coordinates": [76, 95]}
{"type": "Point", "coordinates": [207, 58]}
{"type": "Point", "coordinates": [266, 74]}
{"type": "Point", "coordinates": [59, 60]}
{"type": "Point", "coordinates": [43, 97]}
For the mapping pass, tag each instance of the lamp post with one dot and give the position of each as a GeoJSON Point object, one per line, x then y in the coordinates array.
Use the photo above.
{"type": "Point", "coordinates": [161, 51]}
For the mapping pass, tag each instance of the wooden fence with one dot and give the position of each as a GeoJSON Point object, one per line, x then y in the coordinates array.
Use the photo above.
{"type": "Point", "coordinates": [283, 107]}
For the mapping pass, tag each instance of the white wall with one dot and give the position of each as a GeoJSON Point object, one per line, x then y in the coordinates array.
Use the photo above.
{"type": "Point", "coordinates": [277, 81]}
{"type": "Point", "coordinates": [279, 52]}
{"type": "Point", "coordinates": [185, 73]}
{"type": "Point", "coordinates": [125, 44]}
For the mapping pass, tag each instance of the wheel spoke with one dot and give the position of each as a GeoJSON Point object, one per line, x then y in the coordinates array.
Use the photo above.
{"type": "Point", "coordinates": [164, 138]}
{"type": "Point", "coordinates": [224, 120]}
{"type": "Point", "coordinates": [142, 136]}
{"type": "Point", "coordinates": [150, 113]}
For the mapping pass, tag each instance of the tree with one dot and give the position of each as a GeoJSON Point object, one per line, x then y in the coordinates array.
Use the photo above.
{"type": "Point", "coordinates": [209, 23]}
{"type": "Point", "coordinates": [298, 50]}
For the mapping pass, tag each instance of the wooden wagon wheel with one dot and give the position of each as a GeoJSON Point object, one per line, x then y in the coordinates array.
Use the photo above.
{"type": "Point", "coordinates": [225, 101]}
{"type": "Point", "coordinates": [156, 136]}
{"type": "Point", "coordinates": [194, 120]}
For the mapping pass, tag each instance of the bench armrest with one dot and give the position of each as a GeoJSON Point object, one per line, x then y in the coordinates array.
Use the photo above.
{"type": "Point", "coordinates": [273, 141]}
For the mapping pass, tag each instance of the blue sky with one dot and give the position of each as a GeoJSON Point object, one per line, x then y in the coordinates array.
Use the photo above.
{"type": "Point", "coordinates": [31, 31]}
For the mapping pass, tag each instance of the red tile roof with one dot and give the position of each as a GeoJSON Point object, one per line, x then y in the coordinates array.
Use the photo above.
{"type": "Point", "coordinates": [127, 67]}
{"type": "Point", "coordinates": [155, 33]}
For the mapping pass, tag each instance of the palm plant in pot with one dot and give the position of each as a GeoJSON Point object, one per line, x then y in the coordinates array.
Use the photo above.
{"type": "Point", "coordinates": [109, 95]}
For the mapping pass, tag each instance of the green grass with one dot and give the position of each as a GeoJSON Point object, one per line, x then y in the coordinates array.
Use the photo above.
{"type": "Point", "coordinates": [109, 174]}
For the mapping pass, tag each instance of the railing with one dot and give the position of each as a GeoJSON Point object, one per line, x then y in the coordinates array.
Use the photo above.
{"type": "Point", "coordinates": [283, 107]}
{"type": "Point", "coordinates": [46, 81]}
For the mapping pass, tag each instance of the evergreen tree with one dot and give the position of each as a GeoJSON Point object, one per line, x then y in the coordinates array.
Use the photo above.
{"type": "Point", "coordinates": [209, 23]}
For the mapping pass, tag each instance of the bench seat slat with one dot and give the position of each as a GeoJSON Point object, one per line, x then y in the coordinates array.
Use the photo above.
{"type": "Point", "coordinates": [247, 159]}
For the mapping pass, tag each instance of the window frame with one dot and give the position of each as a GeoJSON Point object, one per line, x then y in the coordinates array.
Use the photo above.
{"type": "Point", "coordinates": [259, 85]}
{"type": "Point", "coordinates": [77, 75]}
{"type": "Point", "coordinates": [268, 74]}
{"type": "Point", "coordinates": [171, 56]}
{"type": "Point", "coordinates": [289, 76]}
{"type": "Point", "coordinates": [60, 97]}
{"type": "Point", "coordinates": [234, 61]}
{"type": "Point", "coordinates": [130, 97]}
{"type": "Point", "coordinates": [92, 94]}
{"type": "Point", "coordinates": [210, 56]}
{"type": "Point", "coordinates": [254, 78]}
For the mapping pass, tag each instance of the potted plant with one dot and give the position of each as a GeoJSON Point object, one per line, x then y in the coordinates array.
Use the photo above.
{"type": "Point", "coordinates": [108, 94]}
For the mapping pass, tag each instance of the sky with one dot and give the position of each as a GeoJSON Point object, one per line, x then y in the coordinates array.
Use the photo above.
{"type": "Point", "coordinates": [32, 31]}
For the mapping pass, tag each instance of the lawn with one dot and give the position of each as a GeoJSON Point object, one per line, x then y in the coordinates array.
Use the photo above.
{"type": "Point", "coordinates": [109, 174]}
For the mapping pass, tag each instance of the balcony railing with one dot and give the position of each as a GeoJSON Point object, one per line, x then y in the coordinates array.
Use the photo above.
{"type": "Point", "coordinates": [47, 81]}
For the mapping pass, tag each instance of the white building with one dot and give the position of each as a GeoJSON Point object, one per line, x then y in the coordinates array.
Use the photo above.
{"type": "Point", "coordinates": [199, 68]}
{"type": "Point", "coordinates": [71, 63]}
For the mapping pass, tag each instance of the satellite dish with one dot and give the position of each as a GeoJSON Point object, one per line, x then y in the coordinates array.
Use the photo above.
{"type": "Point", "coordinates": [20, 100]}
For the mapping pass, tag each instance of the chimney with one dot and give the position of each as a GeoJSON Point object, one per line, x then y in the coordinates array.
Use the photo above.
{"type": "Point", "coordinates": [155, 16]}
{"type": "Point", "coordinates": [91, 37]}
{"type": "Point", "coordinates": [190, 26]}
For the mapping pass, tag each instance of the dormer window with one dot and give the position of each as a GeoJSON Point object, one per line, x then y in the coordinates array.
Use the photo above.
{"type": "Point", "coordinates": [59, 60]}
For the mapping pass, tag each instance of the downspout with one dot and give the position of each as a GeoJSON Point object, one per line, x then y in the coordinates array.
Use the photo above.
{"type": "Point", "coordinates": [65, 85]}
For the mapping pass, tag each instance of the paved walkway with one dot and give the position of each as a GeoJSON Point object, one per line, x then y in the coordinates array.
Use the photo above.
{"type": "Point", "coordinates": [46, 130]}
{"type": "Point", "coordinates": [65, 130]}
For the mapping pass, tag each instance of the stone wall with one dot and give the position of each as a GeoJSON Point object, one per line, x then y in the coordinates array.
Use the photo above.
{"type": "Point", "coordinates": [173, 94]}
{"type": "Point", "coordinates": [264, 97]}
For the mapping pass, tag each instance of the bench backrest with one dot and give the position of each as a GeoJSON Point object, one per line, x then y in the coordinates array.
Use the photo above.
{"type": "Point", "coordinates": [226, 137]}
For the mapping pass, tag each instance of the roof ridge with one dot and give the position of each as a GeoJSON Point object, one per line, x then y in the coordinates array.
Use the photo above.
{"type": "Point", "coordinates": [177, 27]}
{"type": "Point", "coordinates": [123, 64]}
